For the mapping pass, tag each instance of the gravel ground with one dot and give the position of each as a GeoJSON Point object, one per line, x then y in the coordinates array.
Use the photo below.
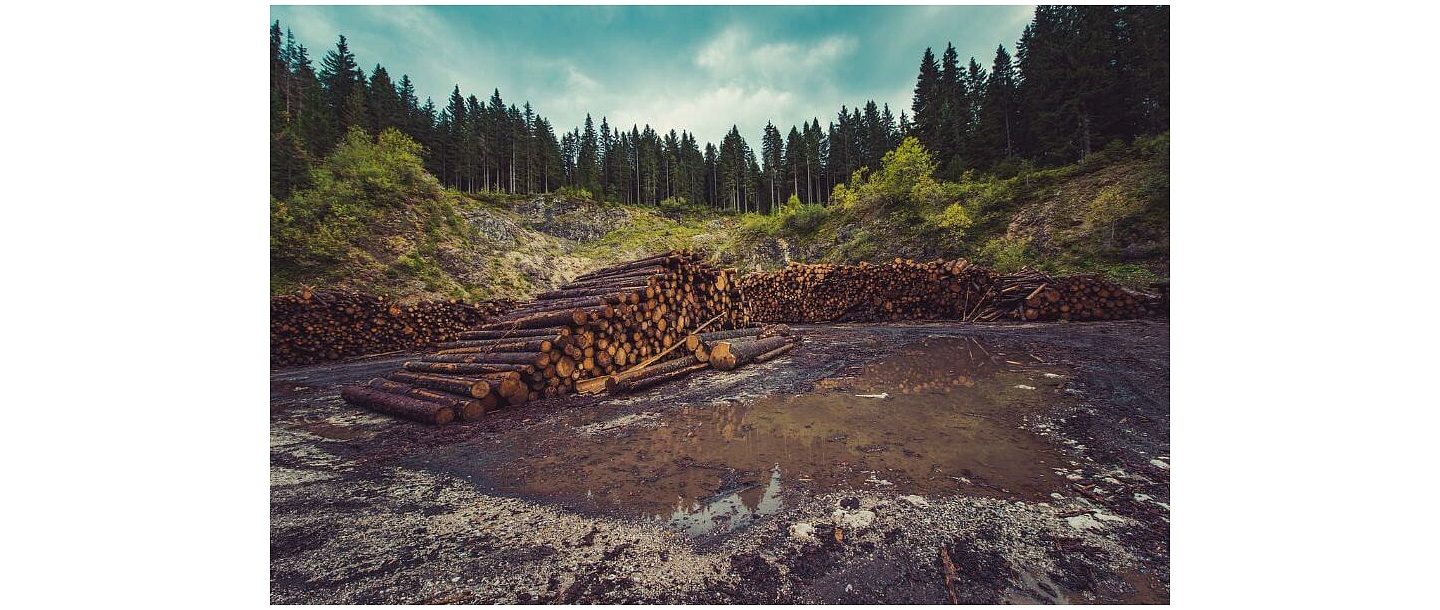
{"type": "Point", "coordinates": [368, 509]}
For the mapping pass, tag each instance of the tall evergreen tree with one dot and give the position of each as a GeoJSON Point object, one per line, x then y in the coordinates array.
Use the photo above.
{"type": "Point", "coordinates": [588, 160]}
{"type": "Point", "coordinates": [999, 113]}
{"type": "Point", "coordinates": [927, 106]}
{"type": "Point", "coordinates": [341, 77]}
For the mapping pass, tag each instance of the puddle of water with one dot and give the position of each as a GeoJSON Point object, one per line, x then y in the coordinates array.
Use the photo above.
{"type": "Point", "coordinates": [949, 423]}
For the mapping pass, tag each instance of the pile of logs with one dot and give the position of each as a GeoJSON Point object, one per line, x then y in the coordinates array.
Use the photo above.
{"type": "Point", "coordinates": [1033, 296]}
{"type": "Point", "coordinates": [900, 290]}
{"type": "Point", "coordinates": [955, 290]}
{"type": "Point", "coordinates": [628, 316]}
{"type": "Point", "coordinates": [310, 327]}
{"type": "Point", "coordinates": [725, 350]}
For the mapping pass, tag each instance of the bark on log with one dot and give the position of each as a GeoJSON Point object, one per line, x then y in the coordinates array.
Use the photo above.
{"type": "Point", "coordinates": [395, 404]}
{"type": "Point", "coordinates": [509, 334]}
{"type": "Point", "coordinates": [464, 386]}
{"type": "Point", "coordinates": [571, 317]}
{"type": "Point", "coordinates": [464, 368]}
{"type": "Point", "coordinates": [466, 409]}
{"type": "Point", "coordinates": [735, 354]}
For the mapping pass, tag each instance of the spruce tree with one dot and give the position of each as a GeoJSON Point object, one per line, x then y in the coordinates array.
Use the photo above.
{"type": "Point", "coordinates": [927, 105]}
{"type": "Point", "coordinates": [587, 161]}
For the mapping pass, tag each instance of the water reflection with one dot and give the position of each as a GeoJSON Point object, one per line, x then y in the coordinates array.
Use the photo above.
{"type": "Point", "coordinates": [727, 513]}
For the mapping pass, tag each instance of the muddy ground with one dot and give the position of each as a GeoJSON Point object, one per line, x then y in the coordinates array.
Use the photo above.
{"type": "Point", "coordinates": [918, 463]}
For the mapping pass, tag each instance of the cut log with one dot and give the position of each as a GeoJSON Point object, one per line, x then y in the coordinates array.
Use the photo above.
{"type": "Point", "coordinates": [729, 354]}
{"type": "Point", "coordinates": [464, 386]}
{"type": "Point", "coordinates": [395, 404]}
{"type": "Point", "coordinates": [465, 409]}
{"type": "Point", "coordinates": [573, 317]}
{"type": "Point", "coordinates": [510, 334]}
{"type": "Point", "coordinates": [464, 368]}
{"type": "Point", "coordinates": [519, 358]}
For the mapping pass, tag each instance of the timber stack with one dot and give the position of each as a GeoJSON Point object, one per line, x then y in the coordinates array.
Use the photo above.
{"type": "Point", "coordinates": [607, 322]}
{"type": "Point", "coordinates": [310, 327]}
{"type": "Point", "coordinates": [899, 290]}
{"type": "Point", "coordinates": [1033, 296]}
{"type": "Point", "coordinates": [953, 290]}
{"type": "Point", "coordinates": [723, 350]}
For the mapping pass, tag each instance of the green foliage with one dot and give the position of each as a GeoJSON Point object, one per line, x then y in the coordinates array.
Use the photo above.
{"type": "Point", "coordinates": [576, 192]}
{"type": "Point", "coordinates": [753, 226]}
{"type": "Point", "coordinates": [645, 233]}
{"type": "Point", "coordinates": [680, 206]}
{"type": "Point", "coordinates": [804, 219]}
{"type": "Point", "coordinates": [954, 218]}
{"type": "Point", "coordinates": [901, 171]}
{"type": "Point", "coordinates": [1111, 206]}
{"type": "Point", "coordinates": [365, 185]}
{"type": "Point", "coordinates": [1006, 254]}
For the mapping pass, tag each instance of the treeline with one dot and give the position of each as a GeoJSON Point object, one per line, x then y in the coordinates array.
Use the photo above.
{"type": "Point", "coordinates": [1082, 76]}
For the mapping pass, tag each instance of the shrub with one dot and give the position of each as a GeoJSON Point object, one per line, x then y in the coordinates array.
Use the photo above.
{"type": "Point", "coordinates": [1109, 207]}
{"type": "Point", "coordinates": [954, 218]}
{"type": "Point", "coordinates": [1006, 254]}
{"type": "Point", "coordinates": [575, 192]}
{"type": "Point", "coordinates": [804, 219]}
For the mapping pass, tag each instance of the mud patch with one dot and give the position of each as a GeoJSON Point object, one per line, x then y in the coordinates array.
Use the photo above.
{"type": "Point", "coordinates": [942, 415]}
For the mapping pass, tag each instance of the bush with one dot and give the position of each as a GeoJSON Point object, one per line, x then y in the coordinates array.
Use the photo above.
{"type": "Point", "coordinates": [954, 218]}
{"type": "Point", "coordinates": [1005, 254]}
{"type": "Point", "coordinates": [575, 192]}
{"type": "Point", "coordinates": [804, 219]}
{"type": "Point", "coordinates": [1109, 207]}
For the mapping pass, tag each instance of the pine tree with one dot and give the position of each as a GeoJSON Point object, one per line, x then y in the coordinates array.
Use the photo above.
{"type": "Point", "coordinates": [772, 150]}
{"type": "Point", "coordinates": [955, 96]}
{"type": "Point", "coordinates": [999, 114]}
{"type": "Point", "coordinates": [794, 161]}
{"type": "Point", "coordinates": [341, 77]}
{"type": "Point", "coordinates": [384, 102]}
{"type": "Point", "coordinates": [927, 106]}
{"type": "Point", "coordinates": [588, 161]}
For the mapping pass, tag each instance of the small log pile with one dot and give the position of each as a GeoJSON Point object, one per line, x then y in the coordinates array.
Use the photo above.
{"type": "Point", "coordinates": [1032, 296]}
{"type": "Point", "coordinates": [899, 290]}
{"type": "Point", "coordinates": [628, 316]}
{"type": "Point", "coordinates": [311, 327]}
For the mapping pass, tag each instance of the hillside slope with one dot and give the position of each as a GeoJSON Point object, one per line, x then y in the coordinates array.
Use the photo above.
{"type": "Point", "coordinates": [1108, 214]}
{"type": "Point", "coordinates": [375, 222]}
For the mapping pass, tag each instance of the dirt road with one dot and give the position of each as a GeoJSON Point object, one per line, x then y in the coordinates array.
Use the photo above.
{"type": "Point", "coordinates": [919, 463]}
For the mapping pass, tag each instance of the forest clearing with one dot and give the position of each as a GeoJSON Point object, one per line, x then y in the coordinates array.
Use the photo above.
{"type": "Point", "coordinates": [916, 351]}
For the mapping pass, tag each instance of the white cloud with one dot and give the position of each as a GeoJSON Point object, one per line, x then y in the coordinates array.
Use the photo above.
{"type": "Point", "coordinates": [735, 55]}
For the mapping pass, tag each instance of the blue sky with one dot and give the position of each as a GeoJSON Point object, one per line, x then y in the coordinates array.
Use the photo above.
{"type": "Point", "coordinates": [682, 67]}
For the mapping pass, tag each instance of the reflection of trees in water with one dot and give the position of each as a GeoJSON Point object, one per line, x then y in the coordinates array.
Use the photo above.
{"type": "Point", "coordinates": [728, 512]}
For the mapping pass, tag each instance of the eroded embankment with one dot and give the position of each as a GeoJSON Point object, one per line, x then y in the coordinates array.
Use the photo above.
{"type": "Point", "coordinates": [1033, 459]}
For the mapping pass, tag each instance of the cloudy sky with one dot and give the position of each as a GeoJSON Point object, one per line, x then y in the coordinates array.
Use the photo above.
{"type": "Point", "coordinates": [682, 67]}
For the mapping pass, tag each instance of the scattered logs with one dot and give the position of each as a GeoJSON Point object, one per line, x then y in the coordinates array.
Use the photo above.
{"type": "Point", "coordinates": [312, 327]}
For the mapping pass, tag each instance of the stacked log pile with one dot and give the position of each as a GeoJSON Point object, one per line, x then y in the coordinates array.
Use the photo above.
{"type": "Point", "coordinates": [724, 350]}
{"type": "Point", "coordinates": [899, 290]}
{"type": "Point", "coordinates": [957, 290]}
{"type": "Point", "coordinates": [1032, 296]}
{"type": "Point", "coordinates": [624, 317]}
{"type": "Point", "coordinates": [312, 327]}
